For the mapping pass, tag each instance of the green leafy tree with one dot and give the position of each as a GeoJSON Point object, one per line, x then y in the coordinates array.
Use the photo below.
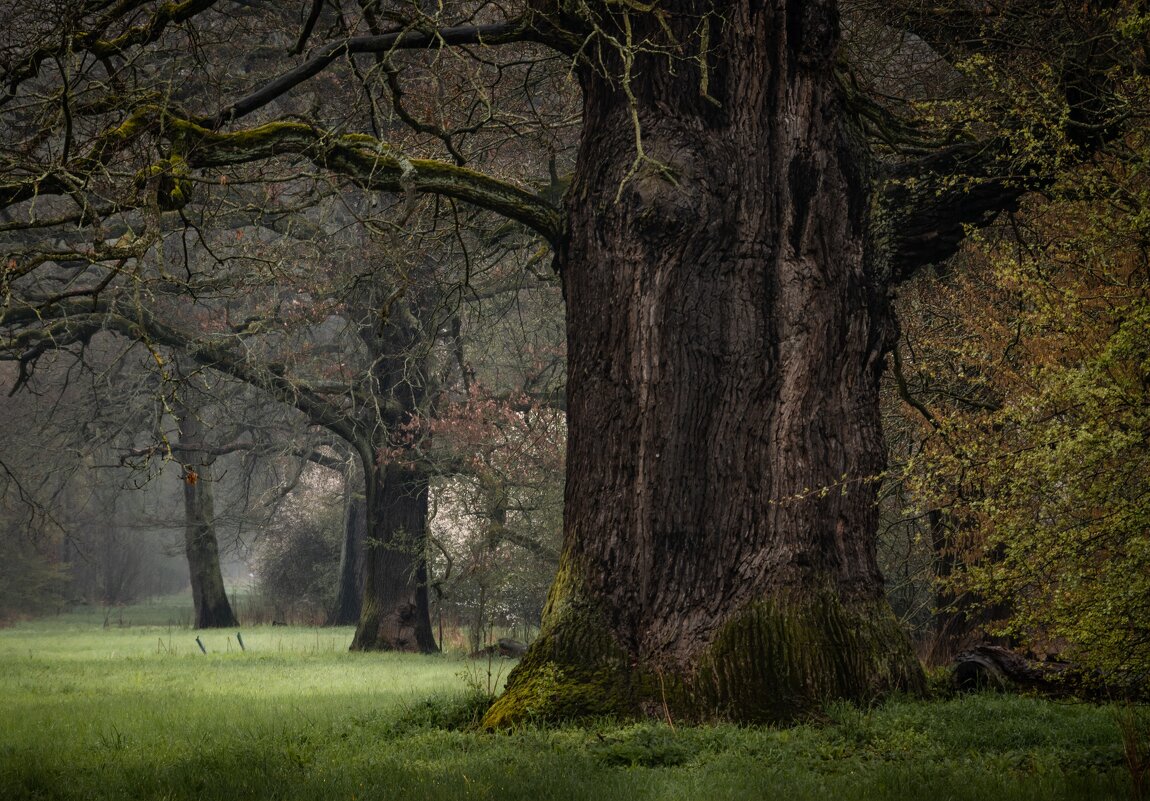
{"type": "Point", "coordinates": [1037, 433]}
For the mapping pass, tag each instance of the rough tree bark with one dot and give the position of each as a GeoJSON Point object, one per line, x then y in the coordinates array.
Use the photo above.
{"type": "Point", "coordinates": [209, 596]}
{"type": "Point", "coordinates": [396, 614]}
{"type": "Point", "coordinates": [726, 332]}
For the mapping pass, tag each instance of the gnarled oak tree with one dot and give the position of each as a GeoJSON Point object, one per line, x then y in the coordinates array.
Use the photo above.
{"type": "Point", "coordinates": [739, 208]}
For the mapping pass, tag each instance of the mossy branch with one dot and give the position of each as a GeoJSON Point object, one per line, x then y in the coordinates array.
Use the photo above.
{"type": "Point", "coordinates": [368, 162]}
{"type": "Point", "coordinates": [102, 149]}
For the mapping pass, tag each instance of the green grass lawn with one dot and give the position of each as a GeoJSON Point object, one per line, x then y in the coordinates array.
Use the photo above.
{"type": "Point", "coordinates": [88, 712]}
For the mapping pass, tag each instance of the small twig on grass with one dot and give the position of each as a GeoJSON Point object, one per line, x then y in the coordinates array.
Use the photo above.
{"type": "Point", "coordinates": [1136, 749]}
{"type": "Point", "coordinates": [663, 694]}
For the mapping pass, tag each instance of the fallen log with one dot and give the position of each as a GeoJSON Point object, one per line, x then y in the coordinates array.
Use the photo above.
{"type": "Point", "coordinates": [995, 667]}
{"type": "Point", "coordinates": [504, 647]}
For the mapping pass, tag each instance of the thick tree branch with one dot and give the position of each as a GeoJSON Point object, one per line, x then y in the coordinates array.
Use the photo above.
{"type": "Point", "coordinates": [77, 320]}
{"type": "Point", "coordinates": [368, 162]}
{"type": "Point", "coordinates": [926, 206]}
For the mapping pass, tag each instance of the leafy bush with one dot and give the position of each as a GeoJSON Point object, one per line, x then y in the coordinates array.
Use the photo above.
{"type": "Point", "coordinates": [1029, 374]}
{"type": "Point", "coordinates": [297, 564]}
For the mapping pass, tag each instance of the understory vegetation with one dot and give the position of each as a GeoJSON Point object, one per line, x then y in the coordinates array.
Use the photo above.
{"type": "Point", "coordinates": [114, 712]}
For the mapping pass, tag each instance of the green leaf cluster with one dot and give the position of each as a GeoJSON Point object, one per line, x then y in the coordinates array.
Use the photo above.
{"type": "Point", "coordinates": [1034, 369]}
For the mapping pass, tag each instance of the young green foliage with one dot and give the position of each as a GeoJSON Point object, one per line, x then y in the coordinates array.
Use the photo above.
{"type": "Point", "coordinates": [1038, 434]}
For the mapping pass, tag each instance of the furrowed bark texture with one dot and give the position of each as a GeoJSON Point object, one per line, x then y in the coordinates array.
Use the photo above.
{"type": "Point", "coordinates": [725, 340]}
{"type": "Point", "coordinates": [395, 614]}
{"type": "Point", "coordinates": [209, 596]}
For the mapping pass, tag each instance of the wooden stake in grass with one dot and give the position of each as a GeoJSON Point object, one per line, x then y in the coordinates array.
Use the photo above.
{"type": "Point", "coordinates": [199, 643]}
{"type": "Point", "coordinates": [240, 640]}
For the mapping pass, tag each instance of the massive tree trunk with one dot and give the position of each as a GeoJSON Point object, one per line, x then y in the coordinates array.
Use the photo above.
{"type": "Point", "coordinates": [726, 332]}
{"type": "Point", "coordinates": [396, 613]}
{"type": "Point", "coordinates": [209, 596]}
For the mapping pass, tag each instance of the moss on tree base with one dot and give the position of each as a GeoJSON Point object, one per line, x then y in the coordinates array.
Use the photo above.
{"type": "Point", "coordinates": [772, 662]}
{"type": "Point", "coordinates": [573, 670]}
{"type": "Point", "coordinates": [782, 661]}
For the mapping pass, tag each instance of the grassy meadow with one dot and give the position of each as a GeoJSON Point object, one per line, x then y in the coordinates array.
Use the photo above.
{"type": "Point", "coordinates": [89, 711]}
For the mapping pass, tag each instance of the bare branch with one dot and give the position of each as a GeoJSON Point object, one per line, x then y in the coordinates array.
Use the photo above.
{"type": "Point", "coordinates": [518, 30]}
{"type": "Point", "coordinates": [91, 41]}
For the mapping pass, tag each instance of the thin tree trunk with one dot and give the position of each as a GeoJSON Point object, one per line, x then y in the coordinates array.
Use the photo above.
{"type": "Point", "coordinates": [209, 596]}
{"type": "Point", "coordinates": [726, 332]}
{"type": "Point", "coordinates": [349, 593]}
{"type": "Point", "coordinates": [495, 500]}
{"type": "Point", "coordinates": [953, 629]}
{"type": "Point", "coordinates": [961, 621]}
{"type": "Point", "coordinates": [477, 631]}
{"type": "Point", "coordinates": [396, 613]}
